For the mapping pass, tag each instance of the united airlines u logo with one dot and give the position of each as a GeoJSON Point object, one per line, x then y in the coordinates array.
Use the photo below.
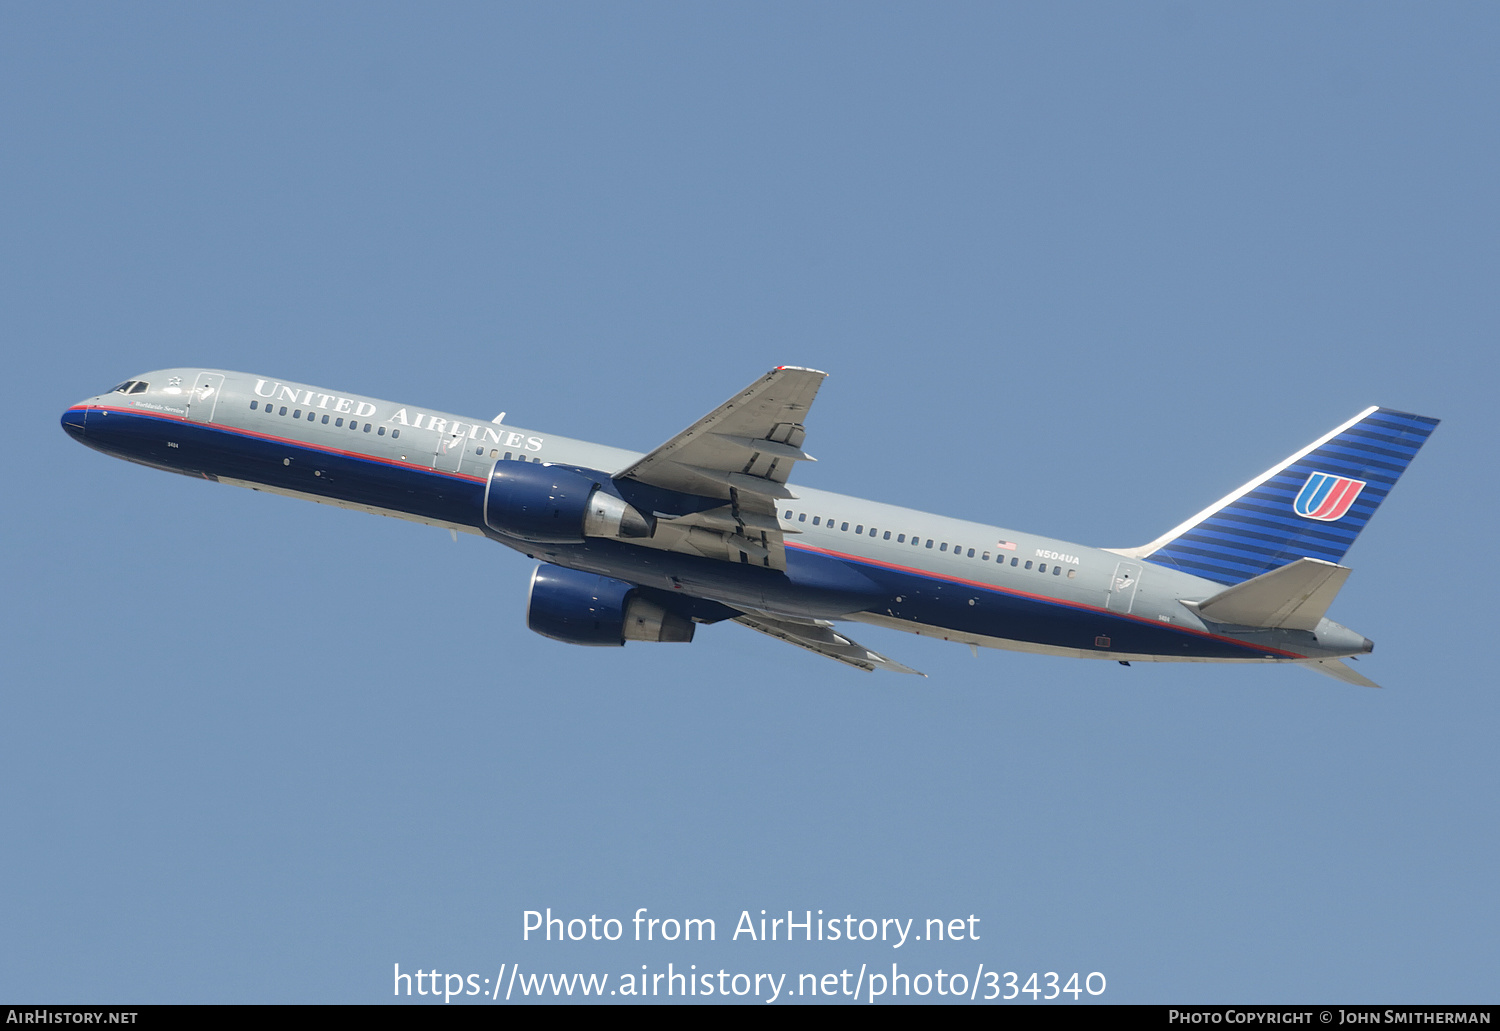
{"type": "Point", "coordinates": [1327, 497]}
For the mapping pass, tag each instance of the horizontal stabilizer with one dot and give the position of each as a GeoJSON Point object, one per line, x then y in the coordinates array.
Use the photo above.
{"type": "Point", "coordinates": [820, 637]}
{"type": "Point", "coordinates": [1293, 597]}
{"type": "Point", "coordinates": [1339, 671]}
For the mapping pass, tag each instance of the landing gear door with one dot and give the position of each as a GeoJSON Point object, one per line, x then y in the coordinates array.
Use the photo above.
{"type": "Point", "coordinates": [1122, 586]}
{"type": "Point", "coordinates": [204, 399]}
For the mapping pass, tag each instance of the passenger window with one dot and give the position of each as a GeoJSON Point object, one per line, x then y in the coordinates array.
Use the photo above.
{"type": "Point", "coordinates": [802, 517]}
{"type": "Point", "coordinates": [1072, 573]}
{"type": "Point", "coordinates": [339, 421]}
{"type": "Point", "coordinates": [297, 414]}
{"type": "Point", "coordinates": [971, 552]}
{"type": "Point", "coordinates": [479, 451]}
{"type": "Point", "coordinates": [1042, 568]}
{"type": "Point", "coordinates": [788, 514]}
{"type": "Point", "coordinates": [1056, 570]}
{"type": "Point", "coordinates": [900, 538]}
{"type": "Point", "coordinates": [1028, 563]}
{"type": "Point", "coordinates": [394, 433]}
{"type": "Point", "coordinates": [380, 432]}
{"type": "Point", "coordinates": [929, 542]}
{"type": "Point", "coordinates": [985, 557]}
{"type": "Point", "coordinates": [283, 409]}
{"type": "Point", "coordinates": [887, 535]}
{"type": "Point", "coordinates": [844, 527]}
{"type": "Point", "coordinates": [507, 456]}
{"type": "Point", "coordinates": [254, 405]}
{"type": "Point", "coordinates": [1014, 561]}
{"type": "Point", "coordinates": [815, 520]}
{"type": "Point", "coordinates": [367, 430]}
{"type": "Point", "coordinates": [860, 529]}
{"type": "Point", "coordinates": [325, 420]}
{"type": "Point", "coordinates": [943, 548]}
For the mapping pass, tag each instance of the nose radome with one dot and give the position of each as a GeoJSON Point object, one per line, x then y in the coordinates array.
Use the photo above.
{"type": "Point", "coordinates": [74, 420]}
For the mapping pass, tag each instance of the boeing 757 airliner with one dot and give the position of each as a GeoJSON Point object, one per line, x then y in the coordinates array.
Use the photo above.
{"type": "Point", "coordinates": [705, 528]}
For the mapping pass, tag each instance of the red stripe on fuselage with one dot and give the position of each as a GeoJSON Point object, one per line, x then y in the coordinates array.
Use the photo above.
{"type": "Point", "coordinates": [256, 434]}
{"type": "Point", "coordinates": [1080, 606]}
{"type": "Point", "coordinates": [895, 567]}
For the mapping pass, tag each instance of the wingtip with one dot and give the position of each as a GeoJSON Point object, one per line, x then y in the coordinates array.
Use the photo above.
{"type": "Point", "coordinates": [799, 368]}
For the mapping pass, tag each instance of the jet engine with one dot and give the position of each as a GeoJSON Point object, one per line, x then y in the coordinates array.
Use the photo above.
{"type": "Point", "coordinates": [585, 608]}
{"type": "Point", "coordinates": [548, 504]}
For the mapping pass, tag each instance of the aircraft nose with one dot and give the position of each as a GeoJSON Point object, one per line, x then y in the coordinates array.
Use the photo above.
{"type": "Point", "coordinates": [74, 420]}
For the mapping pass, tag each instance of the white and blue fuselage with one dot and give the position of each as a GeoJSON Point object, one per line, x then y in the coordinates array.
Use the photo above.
{"type": "Point", "coordinates": [827, 557]}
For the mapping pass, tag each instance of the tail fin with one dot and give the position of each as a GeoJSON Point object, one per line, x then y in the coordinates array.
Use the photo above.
{"type": "Point", "coordinates": [1312, 505]}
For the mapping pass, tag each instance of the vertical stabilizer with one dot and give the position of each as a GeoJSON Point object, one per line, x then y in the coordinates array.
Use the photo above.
{"type": "Point", "coordinates": [1312, 505]}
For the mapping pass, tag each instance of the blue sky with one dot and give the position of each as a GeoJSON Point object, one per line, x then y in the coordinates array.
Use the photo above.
{"type": "Point", "coordinates": [1073, 269]}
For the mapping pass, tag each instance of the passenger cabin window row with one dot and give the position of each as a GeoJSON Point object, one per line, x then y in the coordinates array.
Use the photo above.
{"type": "Point", "coordinates": [942, 546]}
{"type": "Point", "coordinates": [354, 424]}
{"type": "Point", "coordinates": [338, 421]}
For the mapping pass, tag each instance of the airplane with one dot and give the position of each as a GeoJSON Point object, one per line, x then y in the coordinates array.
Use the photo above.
{"type": "Point", "coordinates": [705, 529]}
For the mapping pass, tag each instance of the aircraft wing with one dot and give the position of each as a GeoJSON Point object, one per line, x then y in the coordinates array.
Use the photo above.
{"type": "Point", "coordinates": [819, 636]}
{"type": "Point", "coordinates": [742, 453]}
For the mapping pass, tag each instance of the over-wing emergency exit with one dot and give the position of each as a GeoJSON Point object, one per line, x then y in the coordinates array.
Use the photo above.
{"type": "Point", "coordinates": [709, 527]}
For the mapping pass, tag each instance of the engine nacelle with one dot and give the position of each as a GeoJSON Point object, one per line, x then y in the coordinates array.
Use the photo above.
{"type": "Point", "coordinates": [547, 504]}
{"type": "Point", "coordinates": [586, 608]}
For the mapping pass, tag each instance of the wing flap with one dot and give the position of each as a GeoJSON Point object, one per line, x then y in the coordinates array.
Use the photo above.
{"type": "Point", "coordinates": [762, 485]}
{"type": "Point", "coordinates": [768, 447]}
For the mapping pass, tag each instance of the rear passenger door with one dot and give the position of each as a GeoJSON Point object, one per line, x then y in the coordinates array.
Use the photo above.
{"type": "Point", "coordinates": [1122, 586]}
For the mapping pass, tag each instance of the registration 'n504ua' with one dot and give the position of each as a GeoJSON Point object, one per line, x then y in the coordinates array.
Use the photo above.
{"type": "Point", "coordinates": [707, 528]}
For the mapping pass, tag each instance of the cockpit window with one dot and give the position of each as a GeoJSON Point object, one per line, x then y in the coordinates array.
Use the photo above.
{"type": "Point", "coordinates": [140, 387]}
{"type": "Point", "coordinates": [131, 386]}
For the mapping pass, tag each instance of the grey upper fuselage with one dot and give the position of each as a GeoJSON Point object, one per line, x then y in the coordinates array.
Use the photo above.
{"type": "Point", "coordinates": [953, 553]}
